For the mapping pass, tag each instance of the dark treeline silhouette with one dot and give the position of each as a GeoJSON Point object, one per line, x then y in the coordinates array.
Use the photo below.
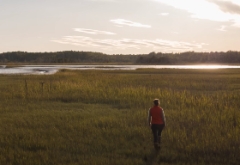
{"type": "Point", "coordinates": [228, 57]}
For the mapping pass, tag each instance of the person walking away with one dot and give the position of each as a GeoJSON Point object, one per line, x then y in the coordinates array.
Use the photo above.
{"type": "Point", "coordinates": [157, 122]}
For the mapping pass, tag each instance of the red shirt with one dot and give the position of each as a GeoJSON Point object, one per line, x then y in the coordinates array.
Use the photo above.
{"type": "Point", "coordinates": [156, 113]}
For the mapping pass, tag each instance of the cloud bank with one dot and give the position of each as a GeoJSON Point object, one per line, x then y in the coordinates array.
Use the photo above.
{"type": "Point", "coordinates": [122, 44]}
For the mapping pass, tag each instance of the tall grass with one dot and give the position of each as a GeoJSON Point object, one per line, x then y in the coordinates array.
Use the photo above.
{"type": "Point", "coordinates": [99, 117]}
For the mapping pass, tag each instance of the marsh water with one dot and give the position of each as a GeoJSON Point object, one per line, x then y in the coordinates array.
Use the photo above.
{"type": "Point", "coordinates": [51, 69]}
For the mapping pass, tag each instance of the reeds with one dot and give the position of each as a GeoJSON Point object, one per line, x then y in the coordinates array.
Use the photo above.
{"type": "Point", "coordinates": [99, 117]}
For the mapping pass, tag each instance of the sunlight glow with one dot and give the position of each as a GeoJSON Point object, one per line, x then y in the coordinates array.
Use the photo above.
{"type": "Point", "coordinates": [234, 1]}
{"type": "Point", "coordinates": [205, 9]}
{"type": "Point", "coordinates": [196, 67]}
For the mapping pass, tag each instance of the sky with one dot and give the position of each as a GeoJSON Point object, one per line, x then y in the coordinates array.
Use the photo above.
{"type": "Point", "coordinates": [120, 26]}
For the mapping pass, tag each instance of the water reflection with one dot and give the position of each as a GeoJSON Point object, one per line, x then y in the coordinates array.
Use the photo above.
{"type": "Point", "coordinates": [51, 69]}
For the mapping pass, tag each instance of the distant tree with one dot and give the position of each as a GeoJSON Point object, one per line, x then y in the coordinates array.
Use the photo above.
{"type": "Point", "coordinates": [96, 57]}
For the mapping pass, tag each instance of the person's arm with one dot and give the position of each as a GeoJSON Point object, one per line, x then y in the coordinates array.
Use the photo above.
{"type": "Point", "coordinates": [149, 118]}
{"type": "Point", "coordinates": [163, 118]}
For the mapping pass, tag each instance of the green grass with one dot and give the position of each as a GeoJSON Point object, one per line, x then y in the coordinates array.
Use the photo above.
{"type": "Point", "coordinates": [100, 117]}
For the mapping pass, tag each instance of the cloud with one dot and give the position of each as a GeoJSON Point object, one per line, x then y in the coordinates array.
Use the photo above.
{"type": "Point", "coordinates": [129, 23]}
{"type": "Point", "coordinates": [125, 43]}
{"type": "Point", "coordinates": [222, 28]}
{"type": "Point", "coordinates": [91, 31]}
{"type": "Point", "coordinates": [164, 14]}
{"type": "Point", "coordinates": [213, 10]}
{"type": "Point", "coordinates": [103, 0]}
{"type": "Point", "coordinates": [227, 6]}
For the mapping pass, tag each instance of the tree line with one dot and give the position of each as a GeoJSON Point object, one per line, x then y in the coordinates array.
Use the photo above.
{"type": "Point", "coordinates": [190, 57]}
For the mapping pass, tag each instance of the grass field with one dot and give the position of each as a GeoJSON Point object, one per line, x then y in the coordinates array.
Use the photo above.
{"type": "Point", "coordinates": [100, 117]}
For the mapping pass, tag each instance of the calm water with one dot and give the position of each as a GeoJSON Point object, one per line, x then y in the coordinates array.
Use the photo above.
{"type": "Point", "coordinates": [51, 69]}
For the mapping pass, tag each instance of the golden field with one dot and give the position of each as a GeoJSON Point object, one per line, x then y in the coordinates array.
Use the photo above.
{"type": "Point", "coordinates": [100, 117]}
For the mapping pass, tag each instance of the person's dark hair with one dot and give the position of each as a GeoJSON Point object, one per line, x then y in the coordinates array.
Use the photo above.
{"type": "Point", "coordinates": [156, 102]}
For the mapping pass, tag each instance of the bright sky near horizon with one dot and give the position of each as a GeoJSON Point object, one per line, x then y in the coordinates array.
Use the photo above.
{"type": "Point", "coordinates": [120, 26]}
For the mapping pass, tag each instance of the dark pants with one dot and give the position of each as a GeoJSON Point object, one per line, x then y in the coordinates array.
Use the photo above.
{"type": "Point", "coordinates": [157, 131]}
